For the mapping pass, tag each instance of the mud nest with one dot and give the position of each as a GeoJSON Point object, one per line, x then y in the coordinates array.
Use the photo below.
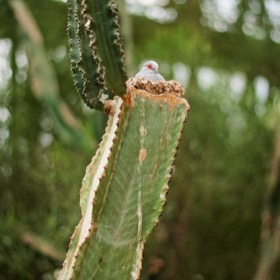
{"type": "Point", "coordinates": [160, 87]}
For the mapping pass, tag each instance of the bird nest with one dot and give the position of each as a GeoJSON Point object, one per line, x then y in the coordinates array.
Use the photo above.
{"type": "Point", "coordinates": [158, 87]}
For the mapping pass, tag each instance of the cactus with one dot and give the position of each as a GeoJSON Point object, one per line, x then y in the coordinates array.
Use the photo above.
{"type": "Point", "coordinates": [96, 45]}
{"type": "Point", "coordinates": [125, 185]}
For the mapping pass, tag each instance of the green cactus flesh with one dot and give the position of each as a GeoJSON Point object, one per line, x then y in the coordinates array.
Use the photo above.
{"type": "Point", "coordinates": [125, 186]}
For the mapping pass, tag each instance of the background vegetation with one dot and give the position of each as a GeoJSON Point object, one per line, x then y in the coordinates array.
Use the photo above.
{"type": "Point", "coordinates": [226, 53]}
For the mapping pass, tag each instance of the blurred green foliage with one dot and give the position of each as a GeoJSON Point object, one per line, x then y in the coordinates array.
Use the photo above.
{"type": "Point", "coordinates": [229, 59]}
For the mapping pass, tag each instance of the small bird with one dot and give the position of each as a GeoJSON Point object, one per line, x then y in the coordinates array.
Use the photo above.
{"type": "Point", "coordinates": [149, 71]}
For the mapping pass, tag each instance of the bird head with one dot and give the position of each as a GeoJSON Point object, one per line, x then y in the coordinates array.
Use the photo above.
{"type": "Point", "coordinates": [151, 66]}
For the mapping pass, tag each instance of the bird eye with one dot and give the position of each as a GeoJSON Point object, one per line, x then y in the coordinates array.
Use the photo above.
{"type": "Point", "coordinates": [150, 66]}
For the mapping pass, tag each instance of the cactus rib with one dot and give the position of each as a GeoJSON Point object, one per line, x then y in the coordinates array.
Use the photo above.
{"type": "Point", "coordinates": [86, 66]}
{"type": "Point", "coordinates": [109, 43]}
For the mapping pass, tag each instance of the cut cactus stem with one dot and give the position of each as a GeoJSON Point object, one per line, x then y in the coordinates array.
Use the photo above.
{"type": "Point", "coordinates": [125, 186]}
